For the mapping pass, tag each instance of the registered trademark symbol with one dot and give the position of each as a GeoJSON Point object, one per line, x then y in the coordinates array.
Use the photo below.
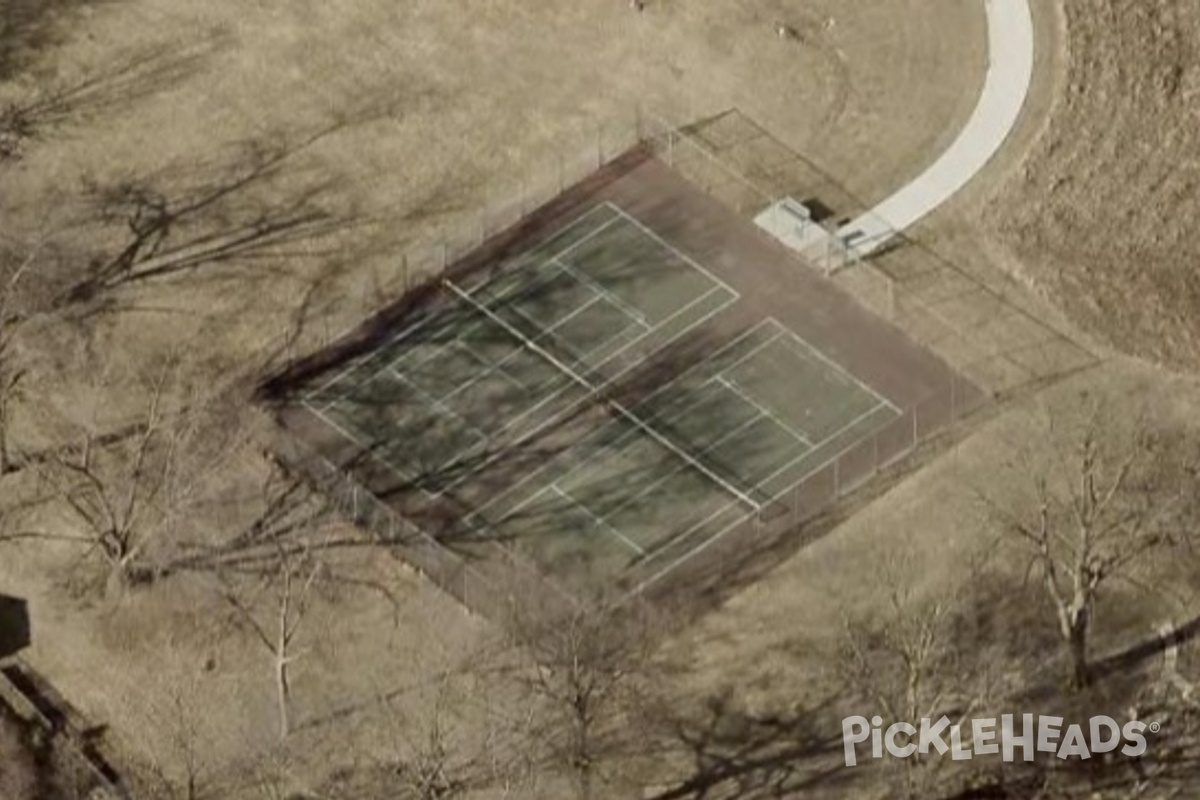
{"type": "Point", "coordinates": [1155, 727]}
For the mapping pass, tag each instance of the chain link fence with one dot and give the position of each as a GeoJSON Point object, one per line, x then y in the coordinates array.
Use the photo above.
{"type": "Point", "coordinates": [993, 344]}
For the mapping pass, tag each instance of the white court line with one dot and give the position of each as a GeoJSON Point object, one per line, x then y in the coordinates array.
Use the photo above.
{"type": "Point", "coordinates": [596, 298]}
{"type": "Point", "coordinates": [599, 521]}
{"type": "Point", "coordinates": [691, 262]}
{"type": "Point", "coordinates": [732, 296]}
{"type": "Point", "coordinates": [779, 334]}
{"type": "Point", "coordinates": [663, 545]}
{"type": "Point", "coordinates": [439, 406]}
{"type": "Point", "coordinates": [333, 424]}
{"type": "Point", "coordinates": [762, 410]}
{"type": "Point", "coordinates": [690, 553]}
{"type": "Point", "coordinates": [836, 367]}
{"type": "Point", "coordinates": [534, 252]}
{"type": "Point", "coordinates": [554, 394]}
{"type": "Point", "coordinates": [698, 367]}
{"type": "Point", "coordinates": [592, 234]}
{"type": "Point", "coordinates": [570, 469]}
{"type": "Point", "coordinates": [584, 280]}
{"type": "Point", "coordinates": [618, 407]}
{"type": "Point", "coordinates": [407, 331]}
{"type": "Point", "coordinates": [828, 461]}
{"type": "Point", "coordinates": [374, 456]}
{"type": "Point", "coordinates": [670, 473]}
{"type": "Point", "coordinates": [493, 366]}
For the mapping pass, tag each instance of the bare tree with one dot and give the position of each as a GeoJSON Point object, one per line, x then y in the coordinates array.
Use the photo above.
{"type": "Point", "coordinates": [914, 658]}
{"type": "Point", "coordinates": [292, 589]}
{"type": "Point", "coordinates": [18, 306]}
{"type": "Point", "coordinates": [1111, 494]}
{"type": "Point", "coordinates": [591, 671]}
{"type": "Point", "coordinates": [130, 497]}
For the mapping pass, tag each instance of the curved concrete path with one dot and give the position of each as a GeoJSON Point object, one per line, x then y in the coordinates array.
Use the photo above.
{"type": "Point", "coordinates": [1010, 72]}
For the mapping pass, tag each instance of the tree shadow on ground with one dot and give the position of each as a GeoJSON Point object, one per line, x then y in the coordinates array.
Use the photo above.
{"type": "Point", "coordinates": [107, 89]}
{"type": "Point", "coordinates": [736, 754]}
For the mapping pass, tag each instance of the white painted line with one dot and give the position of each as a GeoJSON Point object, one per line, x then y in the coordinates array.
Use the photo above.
{"type": "Point", "coordinates": [763, 410]}
{"type": "Point", "coordinates": [374, 456]}
{"type": "Point", "coordinates": [835, 457]}
{"type": "Point", "coordinates": [626, 309]}
{"type": "Point", "coordinates": [695, 550]}
{"type": "Point", "coordinates": [691, 262]}
{"type": "Point", "coordinates": [592, 234]}
{"type": "Point", "coordinates": [1009, 75]}
{"type": "Point", "coordinates": [838, 368]}
{"type": "Point", "coordinates": [599, 522]}
{"type": "Point", "coordinates": [698, 367]}
{"type": "Point", "coordinates": [615, 405]}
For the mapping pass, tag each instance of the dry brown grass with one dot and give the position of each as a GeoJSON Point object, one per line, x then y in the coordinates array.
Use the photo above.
{"type": "Point", "coordinates": [1100, 212]}
{"type": "Point", "coordinates": [453, 103]}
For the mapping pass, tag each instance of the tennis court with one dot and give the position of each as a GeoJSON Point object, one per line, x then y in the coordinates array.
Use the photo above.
{"type": "Point", "coordinates": [627, 379]}
{"type": "Point", "coordinates": [510, 354]}
{"type": "Point", "coordinates": [691, 460]}
{"type": "Point", "coordinates": [538, 340]}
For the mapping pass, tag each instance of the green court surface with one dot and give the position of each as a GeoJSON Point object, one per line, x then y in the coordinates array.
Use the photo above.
{"type": "Point", "coordinates": [523, 348]}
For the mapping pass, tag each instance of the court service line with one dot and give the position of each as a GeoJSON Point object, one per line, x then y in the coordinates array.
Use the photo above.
{"type": "Point", "coordinates": [583, 278]}
{"type": "Point", "coordinates": [691, 529]}
{"type": "Point", "coordinates": [693, 552]}
{"type": "Point", "coordinates": [569, 469]}
{"type": "Point", "coordinates": [592, 234]}
{"type": "Point", "coordinates": [492, 366]}
{"type": "Point", "coordinates": [645, 359]}
{"type": "Point", "coordinates": [827, 461]}
{"type": "Point", "coordinates": [839, 368]}
{"type": "Point", "coordinates": [370, 453]}
{"type": "Point", "coordinates": [698, 368]}
{"type": "Point", "coordinates": [600, 522]}
{"type": "Point", "coordinates": [404, 333]}
{"type": "Point", "coordinates": [670, 473]}
{"type": "Point", "coordinates": [617, 406]}
{"type": "Point", "coordinates": [691, 262]}
{"type": "Point", "coordinates": [762, 410]}
{"type": "Point", "coordinates": [437, 405]}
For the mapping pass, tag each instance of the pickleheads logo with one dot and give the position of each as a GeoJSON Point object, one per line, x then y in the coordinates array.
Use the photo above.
{"type": "Point", "coordinates": [987, 737]}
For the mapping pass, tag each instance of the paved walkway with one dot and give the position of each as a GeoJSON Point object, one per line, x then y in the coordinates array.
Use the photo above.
{"type": "Point", "coordinates": [1010, 71]}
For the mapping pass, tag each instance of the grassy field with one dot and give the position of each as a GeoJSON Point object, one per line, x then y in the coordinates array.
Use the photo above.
{"type": "Point", "coordinates": [208, 187]}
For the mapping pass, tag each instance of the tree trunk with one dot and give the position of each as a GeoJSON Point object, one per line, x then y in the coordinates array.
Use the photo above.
{"type": "Point", "coordinates": [281, 685]}
{"type": "Point", "coordinates": [1077, 648]}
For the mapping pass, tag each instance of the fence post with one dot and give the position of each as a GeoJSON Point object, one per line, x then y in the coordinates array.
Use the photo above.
{"type": "Point", "coordinates": [953, 400]}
